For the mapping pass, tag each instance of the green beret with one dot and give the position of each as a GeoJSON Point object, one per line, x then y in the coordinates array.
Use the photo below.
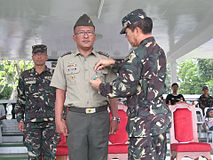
{"type": "Point", "coordinates": [84, 20]}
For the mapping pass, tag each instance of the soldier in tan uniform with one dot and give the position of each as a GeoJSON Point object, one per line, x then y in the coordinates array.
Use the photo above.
{"type": "Point", "coordinates": [87, 120]}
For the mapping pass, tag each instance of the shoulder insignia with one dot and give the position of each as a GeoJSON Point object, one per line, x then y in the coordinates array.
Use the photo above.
{"type": "Point", "coordinates": [102, 53]}
{"type": "Point", "coordinates": [66, 54]}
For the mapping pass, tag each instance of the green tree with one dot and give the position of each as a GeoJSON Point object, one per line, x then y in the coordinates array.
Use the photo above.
{"type": "Point", "coordinates": [9, 73]}
{"type": "Point", "coordinates": [205, 68]}
{"type": "Point", "coordinates": [193, 74]}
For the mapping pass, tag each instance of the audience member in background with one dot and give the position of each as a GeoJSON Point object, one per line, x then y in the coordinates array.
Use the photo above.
{"type": "Point", "coordinates": [174, 97]}
{"type": "Point", "coordinates": [208, 124]}
{"type": "Point", "coordinates": [205, 99]}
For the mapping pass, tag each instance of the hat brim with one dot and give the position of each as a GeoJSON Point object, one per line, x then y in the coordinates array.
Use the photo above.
{"type": "Point", "coordinates": [40, 50]}
{"type": "Point", "coordinates": [123, 30]}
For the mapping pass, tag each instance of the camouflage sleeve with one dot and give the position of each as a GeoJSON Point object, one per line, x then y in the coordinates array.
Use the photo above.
{"type": "Point", "coordinates": [21, 100]}
{"type": "Point", "coordinates": [127, 80]}
{"type": "Point", "coordinates": [118, 63]}
{"type": "Point", "coordinates": [154, 73]}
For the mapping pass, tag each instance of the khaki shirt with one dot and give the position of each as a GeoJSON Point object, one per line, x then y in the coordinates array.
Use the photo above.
{"type": "Point", "coordinates": [73, 73]}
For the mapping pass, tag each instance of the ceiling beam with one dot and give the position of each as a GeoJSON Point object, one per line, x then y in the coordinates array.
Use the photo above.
{"type": "Point", "coordinates": [100, 8]}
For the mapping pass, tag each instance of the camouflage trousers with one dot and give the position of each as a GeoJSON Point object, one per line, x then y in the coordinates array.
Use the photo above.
{"type": "Point", "coordinates": [40, 138]}
{"type": "Point", "coordinates": [148, 148]}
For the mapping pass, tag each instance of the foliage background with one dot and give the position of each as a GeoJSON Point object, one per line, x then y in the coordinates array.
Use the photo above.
{"type": "Point", "coordinates": [192, 75]}
{"type": "Point", "coordinates": [10, 71]}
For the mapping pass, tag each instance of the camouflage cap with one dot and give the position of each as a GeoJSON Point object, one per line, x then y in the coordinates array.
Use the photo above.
{"type": "Point", "coordinates": [84, 20]}
{"type": "Point", "coordinates": [39, 48]}
{"type": "Point", "coordinates": [131, 18]}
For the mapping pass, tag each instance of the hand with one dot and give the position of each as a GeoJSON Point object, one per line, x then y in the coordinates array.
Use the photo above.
{"type": "Point", "coordinates": [102, 63]}
{"type": "Point", "coordinates": [21, 126]}
{"type": "Point", "coordinates": [61, 127]}
{"type": "Point", "coordinates": [95, 83]}
{"type": "Point", "coordinates": [113, 127]}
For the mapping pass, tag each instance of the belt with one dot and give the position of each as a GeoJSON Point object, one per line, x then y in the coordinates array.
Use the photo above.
{"type": "Point", "coordinates": [88, 110]}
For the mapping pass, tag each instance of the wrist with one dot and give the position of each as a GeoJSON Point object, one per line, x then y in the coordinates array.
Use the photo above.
{"type": "Point", "coordinates": [118, 119]}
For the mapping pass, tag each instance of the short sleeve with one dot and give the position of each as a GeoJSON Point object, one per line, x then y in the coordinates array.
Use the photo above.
{"type": "Point", "coordinates": [58, 78]}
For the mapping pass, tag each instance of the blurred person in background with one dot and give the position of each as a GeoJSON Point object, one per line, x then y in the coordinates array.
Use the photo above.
{"type": "Point", "coordinates": [174, 97]}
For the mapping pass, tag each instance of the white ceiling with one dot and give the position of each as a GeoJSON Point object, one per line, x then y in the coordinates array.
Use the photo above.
{"type": "Point", "coordinates": [184, 28]}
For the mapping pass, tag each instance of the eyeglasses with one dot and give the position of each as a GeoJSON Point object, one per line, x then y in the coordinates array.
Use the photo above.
{"type": "Point", "coordinates": [83, 33]}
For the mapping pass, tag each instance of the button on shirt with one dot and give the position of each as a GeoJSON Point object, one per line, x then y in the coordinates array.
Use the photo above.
{"type": "Point", "coordinates": [73, 73]}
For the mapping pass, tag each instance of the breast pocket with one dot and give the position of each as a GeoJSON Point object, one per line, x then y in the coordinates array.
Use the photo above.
{"type": "Point", "coordinates": [72, 70]}
{"type": "Point", "coordinates": [31, 87]}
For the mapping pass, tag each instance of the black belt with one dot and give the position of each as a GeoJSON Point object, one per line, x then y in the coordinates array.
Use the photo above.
{"type": "Point", "coordinates": [88, 110]}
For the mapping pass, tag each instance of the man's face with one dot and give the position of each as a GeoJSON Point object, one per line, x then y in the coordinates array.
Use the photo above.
{"type": "Point", "coordinates": [174, 88]}
{"type": "Point", "coordinates": [39, 58]}
{"type": "Point", "coordinates": [210, 113]}
{"type": "Point", "coordinates": [205, 91]}
{"type": "Point", "coordinates": [84, 36]}
{"type": "Point", "coordinates": [131, 37]}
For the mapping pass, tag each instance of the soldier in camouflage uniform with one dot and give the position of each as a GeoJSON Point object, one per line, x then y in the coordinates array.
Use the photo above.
{"type": "Point", "coordinates": [35, 107]}
{"type": "Point", "coordinates": [142, 81]}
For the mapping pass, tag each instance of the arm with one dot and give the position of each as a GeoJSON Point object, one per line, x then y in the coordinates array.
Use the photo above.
{"type": "Point", "coordinates": [200, 103]}
{"type": "Point", "coordinates": [125, 84]}
{"type": "Point", "coordinates": [114, 111]}
{"type": "Point", "coordinates": [182, 97]}
{"type": "Point", "coordinates": [20, 105]}
{"type": "Point", "coordinates": [102, 63]}
{"type": "Point", "coordinates": [61, 126]}
{"type": "Point", "coordinates": [168, 101]}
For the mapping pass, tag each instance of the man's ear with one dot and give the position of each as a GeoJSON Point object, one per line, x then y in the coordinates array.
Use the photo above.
{"type": "Point", "coordinates": [74, 37]}
{"type": "Point", "coordinates": [138, 30]}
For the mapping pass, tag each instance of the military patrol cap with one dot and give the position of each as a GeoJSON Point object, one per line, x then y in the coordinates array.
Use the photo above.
{"type": "Point", "coordinates": [131, 18]}
{"type": "Point", "coordinates": [39, 48]}
{"type": "Point", "coordinates": [84, 20]}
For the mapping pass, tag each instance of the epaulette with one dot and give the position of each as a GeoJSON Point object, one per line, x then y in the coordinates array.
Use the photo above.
{"type": "Point", "coordinates": [102, 53]}
{"type": "Point", "coordinates": [66, 54]}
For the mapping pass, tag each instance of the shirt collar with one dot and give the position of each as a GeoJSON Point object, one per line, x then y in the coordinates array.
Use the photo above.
{"type": "Point", "coordinates": [76, 52]}
{"type": "Point", "coordinates": [45, 70]}
{"type": "Point", "coordinates": [147, 40]}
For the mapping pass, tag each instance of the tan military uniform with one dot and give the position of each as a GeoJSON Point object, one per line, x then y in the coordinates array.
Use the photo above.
{"type": "Point", "coordinates": [88, 133]}
{"type": "Point", "coordinates": [73, 73]}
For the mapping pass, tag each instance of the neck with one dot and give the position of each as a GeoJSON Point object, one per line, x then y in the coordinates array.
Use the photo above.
{"type": "Point", "coordinates": [175, 93]}
{"type": "Point", "coordinates": [143, 36]}
{"type": "Point", "coordinates": [40, 69]}
{"type": "Point", "coordinates": [85, 52]}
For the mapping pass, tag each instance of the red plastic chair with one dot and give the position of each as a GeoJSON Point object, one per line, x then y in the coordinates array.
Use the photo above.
{"type": "Point", "coordinates": [118, 142]}
{"type": "Point", "coordinates": [183, 133]}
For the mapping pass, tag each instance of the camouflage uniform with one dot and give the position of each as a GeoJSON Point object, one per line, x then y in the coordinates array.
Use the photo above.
{"type": "Point", "coordinates": [35, 106]}
{"type": "Point", "coordinates": [142, 81]}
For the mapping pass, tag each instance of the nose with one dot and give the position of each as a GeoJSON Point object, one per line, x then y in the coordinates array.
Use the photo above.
{"type": "Point", "coordinates": [86, 34]}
